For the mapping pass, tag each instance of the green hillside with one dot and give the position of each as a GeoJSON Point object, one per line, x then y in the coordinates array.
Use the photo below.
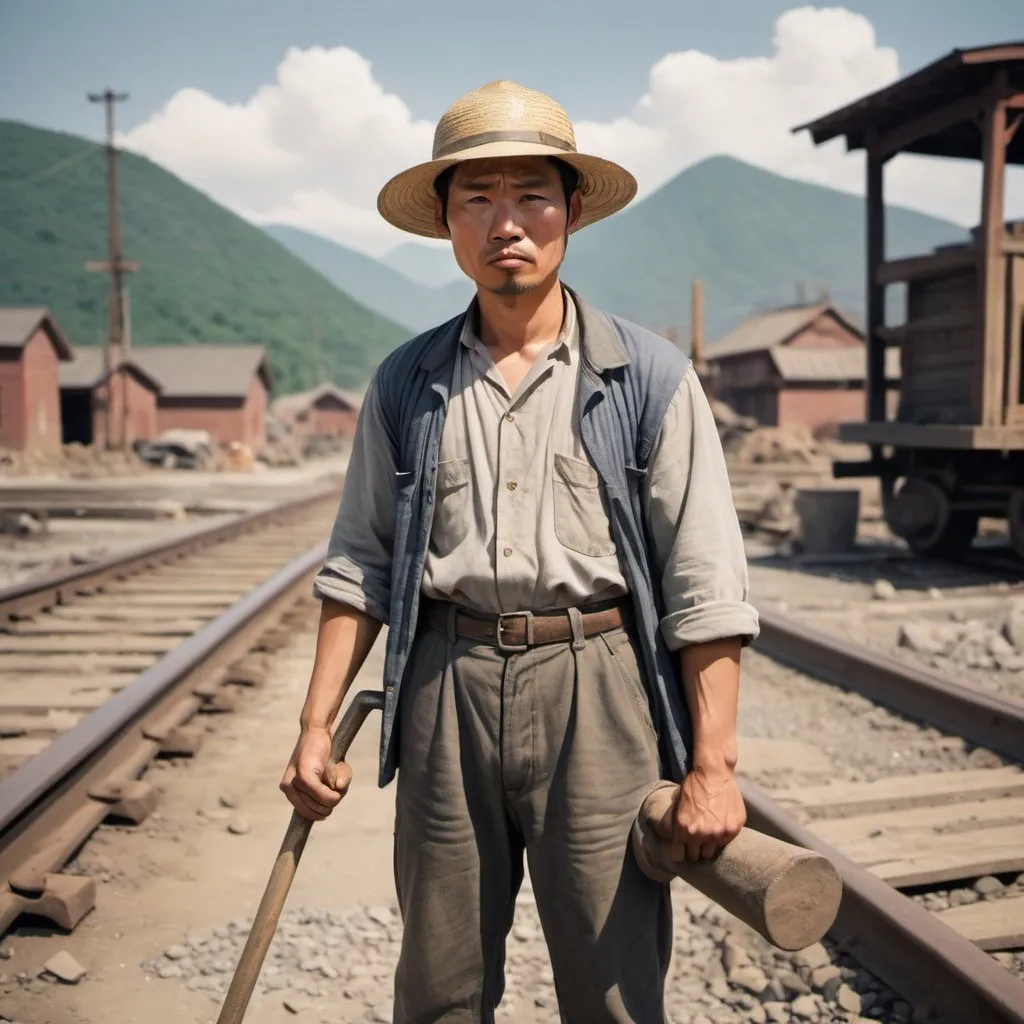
{"type": "Point", "coordinates": [206, 274]}
{"type": "Point", "coordinates": [753, 237]}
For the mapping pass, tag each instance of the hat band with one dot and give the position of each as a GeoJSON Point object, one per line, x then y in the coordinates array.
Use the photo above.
{"type": "Point", "coordinates": [485, 138]}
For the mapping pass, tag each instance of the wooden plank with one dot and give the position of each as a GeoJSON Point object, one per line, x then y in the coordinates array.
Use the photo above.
{"type": "Point", "coordinates": [143, 604]}
{"type": "Point", "coordinates": [904, 791]}
{"type": "Point", "coordinates": [84, 643]}
{"type": "Point", "coordinates": [874, 383]}
{"type": "Point", "coordinates": [952, 321]}
{"type": "Point", "coordinates": [920, 821]}
{"type": "Point", "coordinates": [992, 924]}
{"type": "Point", "coordinates": [946, 858]}
{"type": "Point", "coordinates": [49, 721]}
{"type": "Point", "coordinates": [48, 626]}
{"type": "Point", "coordinates": [763, 754]}
{"type": "Point", "coordinates": [23, 747]}
{"type": "Point", "coordinates": [154, 584]}
{"type": "Point", "coordinates": [927, 265]}
{"type": "Point", "coordinates": [35, 693]}
{"type": "Point", "coordinates": [920, 435]}
{"type": "Point", "coordinates": [82, 664]}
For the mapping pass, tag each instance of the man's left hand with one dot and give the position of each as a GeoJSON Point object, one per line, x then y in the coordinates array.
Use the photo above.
{"type": "Point", "coordinates": [710, 813]}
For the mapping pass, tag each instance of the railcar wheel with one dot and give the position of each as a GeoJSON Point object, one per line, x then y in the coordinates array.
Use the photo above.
{"type": "Point", "coordinates": [1015, 520]}
{"type": "Point", "coordinates": [920, 514]}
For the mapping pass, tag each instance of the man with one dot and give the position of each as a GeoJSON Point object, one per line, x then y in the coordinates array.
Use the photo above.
{"type": "Point", "coordinates": [537, 505]}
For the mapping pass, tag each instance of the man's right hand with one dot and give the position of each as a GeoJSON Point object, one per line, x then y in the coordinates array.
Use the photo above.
{"type": "Point", "coordinates": [314, 786]}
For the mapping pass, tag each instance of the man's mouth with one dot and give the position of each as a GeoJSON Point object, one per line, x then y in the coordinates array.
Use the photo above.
{"type": "Point", "coordinates": [509, 261]}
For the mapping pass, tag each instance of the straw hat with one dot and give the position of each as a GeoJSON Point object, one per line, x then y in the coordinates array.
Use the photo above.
{"type": "Point", "coordinates": [502, 119]}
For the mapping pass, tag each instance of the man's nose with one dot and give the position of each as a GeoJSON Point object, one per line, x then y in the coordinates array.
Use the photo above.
{"type": "Point", "coordinates": [505, 226]}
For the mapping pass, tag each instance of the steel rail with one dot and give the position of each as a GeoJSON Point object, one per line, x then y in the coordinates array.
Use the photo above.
{"type": "Point", "coordinates": [914, 691]}
{"type": "Point", "coordinates": [41, 773]}
{"type": "Point", "coordinates": [926, 961]}
{"type": "Point", "coordinates": [32, 595]}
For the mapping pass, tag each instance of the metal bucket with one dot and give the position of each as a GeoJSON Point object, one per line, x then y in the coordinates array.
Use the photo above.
{"type": "Point", "coordinates": [828, 519]}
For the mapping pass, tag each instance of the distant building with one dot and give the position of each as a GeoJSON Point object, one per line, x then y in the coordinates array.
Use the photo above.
{"type": "Point", "coordinates": [86, 390]}
{"type": "Point", "coordinates": [798, 366]}
{"type": "Point", "coordinates": [323, 411]}
{"type": "Point", "coordinates": [223, 389]}
{"type": "Point", "coordinates": [32, 347]}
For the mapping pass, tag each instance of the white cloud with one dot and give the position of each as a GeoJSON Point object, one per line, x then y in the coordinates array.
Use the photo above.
{"type": "Point", "coordinates": [313, 148]}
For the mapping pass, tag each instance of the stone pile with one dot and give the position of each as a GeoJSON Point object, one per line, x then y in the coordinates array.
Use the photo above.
{"type": "Point", "coordinates": [971, 643]}
{"type": "Point", "coordinates": [73, 460]}
{"type": "Point", "coordinates": [327, 965]}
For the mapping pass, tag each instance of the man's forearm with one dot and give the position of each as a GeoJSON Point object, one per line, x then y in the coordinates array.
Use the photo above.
{"type": "Point", "coordinates": [344, 639]}
{"type": "Point", "coordinates": [711, 683]}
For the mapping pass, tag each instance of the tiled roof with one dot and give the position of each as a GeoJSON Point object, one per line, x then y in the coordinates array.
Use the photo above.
{"type": "Point", "coordinates": [796, 365]}
{"type": "Point", "coordinates": [203, 371]}
{"type": "Point", "coordinates": [766, 330]}
{"type": "Point", "coordinates": [19, 323]}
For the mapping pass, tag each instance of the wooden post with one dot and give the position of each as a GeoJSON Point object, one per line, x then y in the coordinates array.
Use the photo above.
{"type": "Point", "coordinates": [989, 378]}
{"type": "Point", "coordinates": [874, 384]}
{"type": "Point", "coordinates": [697, 326]}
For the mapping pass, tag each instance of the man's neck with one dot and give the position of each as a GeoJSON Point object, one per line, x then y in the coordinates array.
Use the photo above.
{"type": "Point", "coordinates": [512, 322]}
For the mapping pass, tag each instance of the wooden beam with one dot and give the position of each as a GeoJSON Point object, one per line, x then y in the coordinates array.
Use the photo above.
{"type": "Point", "coordinates": [963, 437]}
{"type": "Point", "coordinates": [874, 389]}
{"type": "Point", "coordinates": [954, 320]}
{"type": "Point", "coordinates": [990, 366]}
{"type": "Point", "coordinates": [961, 110]}
{"type": "Point", "coordinates": [927, 265]}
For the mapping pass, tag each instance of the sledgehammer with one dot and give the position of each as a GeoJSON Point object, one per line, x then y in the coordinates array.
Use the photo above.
{"type": "Point", "coordinates": [269, 911]}
{"type": "Point", "coordinates": [786, 893]}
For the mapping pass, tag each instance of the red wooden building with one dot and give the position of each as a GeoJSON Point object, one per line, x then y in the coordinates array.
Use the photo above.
{"type": "Point", "coordinates": [223, 389]}
{"type": "Point", "coordinates": [323, 411]}
{"type": "Point", "coordinates": [798, 366]}
{"type": "Point", "coordinates": [32, 347]}
{"type": "Point", "coordinates": [86, 391]}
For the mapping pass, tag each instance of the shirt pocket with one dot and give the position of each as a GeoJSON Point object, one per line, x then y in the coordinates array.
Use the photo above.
{"type": "Point", "coordinates": [452, 508]}
{"type": "Point", "coordinates": [581, 519]}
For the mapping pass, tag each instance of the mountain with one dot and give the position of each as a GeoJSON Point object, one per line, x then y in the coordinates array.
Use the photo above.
{"type": "Point", "coordinates": [432, 265]}
{"type": "Point", "coordinates": [205, 274]}
{"type": "Point", "coordinates": [754, 238]}
{"type": "Point", "coordinates": [382, 289]}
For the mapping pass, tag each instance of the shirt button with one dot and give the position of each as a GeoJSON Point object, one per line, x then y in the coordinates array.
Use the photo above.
{"type": "Point", "coordinates": [507, 552]}
{"type": "Point", "coordinates": [511, 485]}
{"type": "Point", "coordinates": [510, 417]}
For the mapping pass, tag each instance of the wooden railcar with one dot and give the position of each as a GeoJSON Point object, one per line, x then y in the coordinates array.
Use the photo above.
{"type": "Point", "coordinates": [954, 451]}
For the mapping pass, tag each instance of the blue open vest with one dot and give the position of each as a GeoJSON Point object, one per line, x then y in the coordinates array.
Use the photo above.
{"type": "Point", "coordinates": [628, 376]}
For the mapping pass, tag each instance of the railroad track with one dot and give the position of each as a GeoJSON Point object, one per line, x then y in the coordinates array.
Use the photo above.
{"type": "Point", "coordinates": [113, 664]}
{"type": "Point", "coordinates": [903, 833]}
{"type": "Point", "coordinates": [109, 666]}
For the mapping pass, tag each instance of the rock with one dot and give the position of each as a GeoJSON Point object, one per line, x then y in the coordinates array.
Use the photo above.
{"type": "Point", "coordinates": [774, 991]}
{"type": "Point", "coordinates": [831, 987]}
{"type": "Point", "coordinates": [793, 984]}
{"type": "Point", "coordinates": [382, 915]}
{"type": "Point", "coordinates": [228, 800]}
{"type": "Point", "coordinates": [64, 967]}
{"type": "Point", "coordinates": [176, 952]}
{"type": "Point", "coordinates": [757, 1015]}
{"type": "Point", "coordinates": [961, 897]}
{"type": "Point", "coordinates": [382, 1013]}
{"type": "Point", "coordinates": [804, 1007]}
{"type": "Point", "coordinates": [777, 1013]}
{"type": "Point", "coordinates": [6, 952]}
{"type": "Point", "coordinates": [820, 976]}
{"type": "Point", "coordinates": [1013, 629]}
{"type": "Point", "coordinates": [902, 1009]}
{"type": "Point", "coordinates": [848, 1000]}
{"type": "Point", "coordinates": [920, 637]}
{"type": "Point", "coordinates": [934, 593]}
{"type": "Point", "coordinates": [733, 955]}
{"type": "Point", "coordinates": [748, 977]}
{"type": "Point", "coordinates": [883, 590]}
{"type": "Point", "coordinates": [171, 970]}
{"type": "Point", "coordinates": [988, 885]}
{"type": "Point", "coordinates": [238, 826]}
{"type": "Point", "coordinates": [294, 1004]}
{"type": "Point", "coordinates": [813, 956]}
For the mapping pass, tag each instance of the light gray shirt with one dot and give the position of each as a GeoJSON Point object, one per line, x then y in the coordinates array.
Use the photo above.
{"type": "Point", "coordinates": [520, 521]}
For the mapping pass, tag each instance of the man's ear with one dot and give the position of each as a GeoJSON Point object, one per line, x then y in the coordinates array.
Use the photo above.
{"type": "Point", "coordinates": [439, 224]}
{"type": "Point", "coordinates": [575, 209]}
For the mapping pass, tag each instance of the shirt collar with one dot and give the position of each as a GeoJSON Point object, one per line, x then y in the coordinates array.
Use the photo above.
{"type": "Point", "coordinates": [564, 347]}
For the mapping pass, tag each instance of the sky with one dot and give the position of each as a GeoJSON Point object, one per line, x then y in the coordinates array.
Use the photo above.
{"type": "Point", "coordinates": [297, 111]}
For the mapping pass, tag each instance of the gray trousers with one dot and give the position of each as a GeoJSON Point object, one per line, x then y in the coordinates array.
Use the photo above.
{"type": "Point", "coordinates": [549, 751]}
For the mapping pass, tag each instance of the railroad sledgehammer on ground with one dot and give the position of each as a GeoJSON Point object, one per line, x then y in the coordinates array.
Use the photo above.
{"type": "Point", "coordinates": [786, 893]}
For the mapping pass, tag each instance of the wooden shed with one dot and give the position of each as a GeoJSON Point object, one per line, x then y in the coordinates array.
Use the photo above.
{"type": "Point", "coordinates": [323, 411]}
{"type": "Point", "coordinates": [801, 366]}
{"type": "Point", "coordinates": [98, 407]}
{"type": "Point", "coordinates": [223, 389]}
{"type": "Point", "coordinates": [32, 347]}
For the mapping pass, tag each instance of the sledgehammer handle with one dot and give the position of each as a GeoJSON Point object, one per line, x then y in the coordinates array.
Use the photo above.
{"type": "Point", "coordinates": [262, 932]}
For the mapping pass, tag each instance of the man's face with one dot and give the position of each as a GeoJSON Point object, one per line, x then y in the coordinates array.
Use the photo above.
{"type": "Point", "coordinates": [507, 220]}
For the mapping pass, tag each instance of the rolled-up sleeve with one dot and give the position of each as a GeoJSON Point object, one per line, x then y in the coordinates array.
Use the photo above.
{"type": "Point", "coordinates": [694, 529]}
{"type": "Point", "coordinates": [357, 569]}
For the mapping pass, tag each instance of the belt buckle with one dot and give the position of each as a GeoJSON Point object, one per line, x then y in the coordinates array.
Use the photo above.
{"type": "Point", "coordinates": [515, 648]}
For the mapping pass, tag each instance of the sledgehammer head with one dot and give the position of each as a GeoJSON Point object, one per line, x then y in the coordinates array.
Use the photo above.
{"type": "Point", "coordinates": [787, 894]}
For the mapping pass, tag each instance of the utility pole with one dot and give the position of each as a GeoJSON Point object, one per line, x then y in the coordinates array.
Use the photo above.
{"type": "Point", "coordinates": [117, 267]}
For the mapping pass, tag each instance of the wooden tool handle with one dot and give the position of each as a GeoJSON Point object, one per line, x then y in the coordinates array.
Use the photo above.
{"type": "Point", "coordinates": [269, 911]}
{"type": "Point", "coordinates": [786, 893]}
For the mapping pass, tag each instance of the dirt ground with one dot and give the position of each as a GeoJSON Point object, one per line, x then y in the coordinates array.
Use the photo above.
{"type": "Point", "coordinates": [183, 872]}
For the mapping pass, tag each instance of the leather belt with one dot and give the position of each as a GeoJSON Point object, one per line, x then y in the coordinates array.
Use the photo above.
{"type": "Point", "coordinates": [519, 631]}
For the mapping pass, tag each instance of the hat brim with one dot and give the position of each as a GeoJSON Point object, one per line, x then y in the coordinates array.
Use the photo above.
{"type": "Point", "coordinates": [407, 200]}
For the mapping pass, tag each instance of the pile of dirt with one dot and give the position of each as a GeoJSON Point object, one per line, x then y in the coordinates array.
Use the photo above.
{"type": "Point", "coordinates": [782, 445]}
{"type": "Point", "coordinates": [70, 460]}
